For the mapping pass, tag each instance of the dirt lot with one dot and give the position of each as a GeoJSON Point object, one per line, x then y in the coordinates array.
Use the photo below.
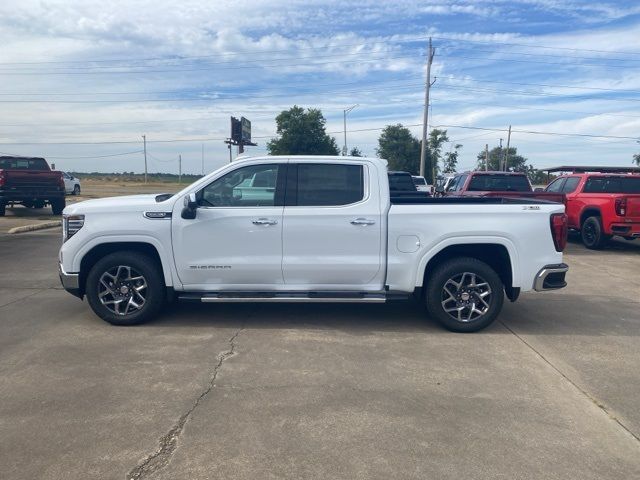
{"type": "Point", "coordinates": [320, 391]}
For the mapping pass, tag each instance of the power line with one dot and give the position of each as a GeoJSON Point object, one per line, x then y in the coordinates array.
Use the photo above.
{"type": "Point", "coordinates": [493, 42]}
{"type": "Point", "coordinates": [97, 156]}
{"type": "Point", "coordinates": [564, 64]}
{"type": "Point", "coordinates": [234, 67]}
{"type": "Point", "coordinates": [528, 93]}
{"type": "Point", "coordinates": [468, 127]}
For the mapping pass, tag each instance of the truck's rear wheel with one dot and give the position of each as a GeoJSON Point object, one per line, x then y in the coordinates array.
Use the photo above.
{"type": "Point", "coordinates": [124, 288]}
{"type": "Point", "coordinates": [57, 205]}
{"type": "Point", "coordinates": [464, 294]}
{"type": "Point", "coordinates": [592, 235]}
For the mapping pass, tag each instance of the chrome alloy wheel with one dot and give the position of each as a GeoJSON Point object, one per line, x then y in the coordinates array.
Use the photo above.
{"type": "Point", "coordinates": [122, 290]}
{"type": "Point", "coordinates": [466, 297]}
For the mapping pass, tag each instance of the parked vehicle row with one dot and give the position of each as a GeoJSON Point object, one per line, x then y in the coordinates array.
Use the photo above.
{"type": "Point", "coordinates": [600, 201]}
{"type": "Point", "coordinates": [321, 229]}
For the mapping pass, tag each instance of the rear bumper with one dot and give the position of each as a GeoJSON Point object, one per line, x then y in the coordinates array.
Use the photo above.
{"type": "Point", "coordinates": [30, 194]}
{"type": "Point", "coordinates": [70, 282]}
{"type": "Point", "coordinates": [551, 277]}
{"type": "Point", "coordinates": [625, 229]}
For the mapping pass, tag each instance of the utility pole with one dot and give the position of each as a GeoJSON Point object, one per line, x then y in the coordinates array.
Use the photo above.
{"type": "Point", "coordinates": [344, 112]}
{"type": "Point", "coordinates": [179, 168]}
{"type": "Point", "coordinates": [506, 152]}
{"type": "Point", "coordinates": [486, 157]}
{"type": "Point", "coordinates": [425, 120]}
{"type": "Point", "coordinates": [203, 159]}
{"type": "Point", "coordinates": [144, 139]}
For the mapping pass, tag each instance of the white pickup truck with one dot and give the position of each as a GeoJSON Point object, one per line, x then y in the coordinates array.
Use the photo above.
{"type": "Point", "coordinates": [309, 229]}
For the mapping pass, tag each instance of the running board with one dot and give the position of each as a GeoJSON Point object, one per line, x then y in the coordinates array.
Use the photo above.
{"type": "Point", "coordinates": [291, 297]}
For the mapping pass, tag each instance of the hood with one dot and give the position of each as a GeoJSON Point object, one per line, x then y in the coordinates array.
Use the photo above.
{"type": "Point", "coordinates": [129, 203]}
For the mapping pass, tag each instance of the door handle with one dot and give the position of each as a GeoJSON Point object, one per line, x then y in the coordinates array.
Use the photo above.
{"type": "Point", "coordinates": [264, 221]}
{"type": "Point", "coordinates": [362, 221]}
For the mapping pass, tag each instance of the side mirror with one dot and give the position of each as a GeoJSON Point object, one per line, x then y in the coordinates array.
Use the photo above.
{"type": "Point", "coordinates": [190, 207]}
{"type": "Point", "coordinates": [538, 189]}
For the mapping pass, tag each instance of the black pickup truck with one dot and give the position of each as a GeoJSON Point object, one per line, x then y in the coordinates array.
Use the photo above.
{"type": "Point", "coordinates": [29, 181]}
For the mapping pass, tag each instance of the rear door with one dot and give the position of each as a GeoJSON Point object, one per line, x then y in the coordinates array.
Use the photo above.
{"type": "Point", "coordinates": [332, 227]}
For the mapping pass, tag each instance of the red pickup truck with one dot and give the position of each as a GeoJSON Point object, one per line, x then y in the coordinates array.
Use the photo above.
{"type": "Point", "coordinates": [600, 202]}
{"type": "Point", "coordinates": [494, 184]}
{"type": "Point", "coordinates": [30, 182]}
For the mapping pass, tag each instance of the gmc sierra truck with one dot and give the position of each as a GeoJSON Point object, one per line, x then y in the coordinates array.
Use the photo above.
{"type": "Point", "coordinates": [600, 201]}
{"type": "Point", "coordinates": [29, 181]}
{"type": "Point", "coordinates": [316, 229]}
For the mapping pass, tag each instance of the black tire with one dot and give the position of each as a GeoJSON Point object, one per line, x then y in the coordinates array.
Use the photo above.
{"type": "Point", "coordinates": [57, 205]}
{"type": "Point", "coordinates": [140, 265]}
{"type": "Point", "coordinates": [592, 235]}
{"type": "Point", "coordinates": [38, 204]}
{"type": "Point", "coordinates": [467, 297]}
{"type": "Point", "coordinates": [3, 209]}
{"type": "Point", "coordinates": [76, 190]}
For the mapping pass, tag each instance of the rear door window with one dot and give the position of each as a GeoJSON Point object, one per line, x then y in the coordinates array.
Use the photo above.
{"type": "Point", "coordinates": [601, 184]}
{"type": "Point", "coordinates": [328, 184]}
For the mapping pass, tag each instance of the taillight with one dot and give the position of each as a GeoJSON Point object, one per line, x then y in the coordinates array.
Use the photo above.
{"type": "Point", "coordinates": [559, 230]}
{"type": "Point", "coordinates": [621, 206]}
{"type": "Point", "coordinates": [61, 181]}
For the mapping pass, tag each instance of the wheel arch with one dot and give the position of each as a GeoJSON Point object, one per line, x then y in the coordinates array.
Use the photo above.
{"type": "Point", "coordinates": [100, 250]}
{"type": "Point", "coordinates": [589, 212]}
{"type": "Point", "coordinates": [497, 255]}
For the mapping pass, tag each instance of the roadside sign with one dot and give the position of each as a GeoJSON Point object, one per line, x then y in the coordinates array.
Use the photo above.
{"type": "Point", "coordinates": [246, 130]}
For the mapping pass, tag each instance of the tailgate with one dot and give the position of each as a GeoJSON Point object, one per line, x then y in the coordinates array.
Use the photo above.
{"type": "Point", "coordinates": [31, 178]}
{"type": "Point", "coordinates": [633, 207]}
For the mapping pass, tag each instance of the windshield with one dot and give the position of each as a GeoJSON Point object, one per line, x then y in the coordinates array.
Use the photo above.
{"type": "Point", "coordinates": [419, 181]}
{"type": "Point", "coordinates": [17, 163]}
{"type": "Point", "coordinates": [401, 183]}
{"type": "Point", "coordinates": [499, 183]}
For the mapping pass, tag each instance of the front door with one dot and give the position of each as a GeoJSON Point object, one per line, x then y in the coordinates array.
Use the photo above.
{"type": "Point", "coordinates": [235, 241]}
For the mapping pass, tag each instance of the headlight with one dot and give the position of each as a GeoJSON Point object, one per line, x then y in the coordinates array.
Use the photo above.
{"type": "Point", "coordinates": [70, 225]}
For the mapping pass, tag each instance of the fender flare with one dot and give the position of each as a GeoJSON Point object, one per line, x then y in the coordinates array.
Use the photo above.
{"type": "Point", "coordinates": [461, 240]}
{"type": "Point", "coordinates": [165, 257]}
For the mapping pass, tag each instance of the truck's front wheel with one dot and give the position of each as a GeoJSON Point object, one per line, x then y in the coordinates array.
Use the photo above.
{"type": "Point", "coordinates": [464, 294]}
{"type": "Point", "coordinates": [124, 288]}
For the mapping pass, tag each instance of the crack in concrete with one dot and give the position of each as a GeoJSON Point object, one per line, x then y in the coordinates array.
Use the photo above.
{"type": "Point", "coordinates": [169, 442]}
{"type": "Point", "coordinates": [594, 400]}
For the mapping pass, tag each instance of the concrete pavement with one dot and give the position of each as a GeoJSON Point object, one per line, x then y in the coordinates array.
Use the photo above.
{"type": "Point", "coordinates": [319, 391]}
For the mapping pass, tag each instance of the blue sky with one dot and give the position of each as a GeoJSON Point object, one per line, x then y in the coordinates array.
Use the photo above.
{"type": "Point", "coordinates": [81, 82]}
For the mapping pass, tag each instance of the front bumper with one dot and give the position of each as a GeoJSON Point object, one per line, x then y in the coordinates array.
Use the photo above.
{"type": "Point", "coordinates": [70, 282]}
{"type": "Point", "coordinates": [551, 277]}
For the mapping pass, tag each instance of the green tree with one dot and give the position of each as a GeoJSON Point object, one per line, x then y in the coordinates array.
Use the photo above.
{"type": "Point", "coordinates": [450, 163]}
{"type": "Point", "coordinates": [437, 138]}
{"type": "Point", "coordinates": [355, 152]}
{"type": "Point", "coordinates": [538, 177]}
{"type": "Point", "coordinates": [302, 132]}
{"type": "Point", "coordinates": [515, 162]}
{"type": "Point", "coordinates": [399, 148]}
{"type": "Point", "coordinates": [636, 158]}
